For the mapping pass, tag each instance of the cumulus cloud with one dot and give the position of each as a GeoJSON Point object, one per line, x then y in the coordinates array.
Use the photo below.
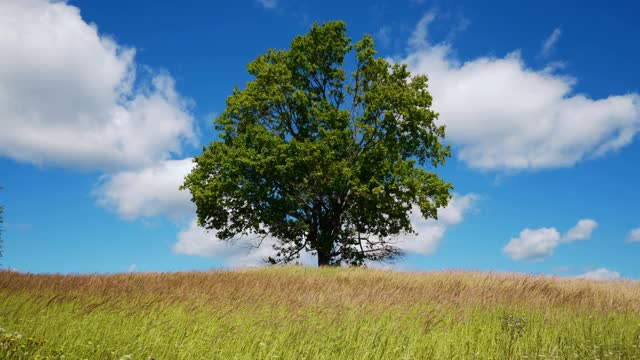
{"type": "Point", "coordinates": [537, 244]}
{"type": "Point", "coordinates": [247, 250]}
{"type": "Point", "coordinates": [153, 191]}
{"type": "Point", "coordinates": [634, 235]}
{"type": "Point", "coordinates": [244, 250]}
{"type": "Point", "coordinates": [581, 231]}
{"type": "Point", "coordinates": [600, 274]}
{"type": "Point", "coordinates": [148, 192]}
{"type": "Point", "coordinates": [550, 42]}
{"type": "Point", "coordinates": [72, 96]}
{"type": "Point", "coordinates": [503, 115]}
{"type": "Point", "coordinates": [533, 245]}
{"type": "Point", "coordinates": [429, 232]}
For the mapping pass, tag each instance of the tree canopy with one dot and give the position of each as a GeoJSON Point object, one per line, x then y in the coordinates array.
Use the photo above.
{"type": "Point", "coordinates": [321, 161]}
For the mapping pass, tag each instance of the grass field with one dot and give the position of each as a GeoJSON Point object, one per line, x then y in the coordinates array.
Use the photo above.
{"type": "Point", "coordinates": [308, 313]}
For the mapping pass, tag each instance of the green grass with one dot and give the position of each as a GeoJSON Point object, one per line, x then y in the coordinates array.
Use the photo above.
{"type": "Point", "coordinates": [292, 313]}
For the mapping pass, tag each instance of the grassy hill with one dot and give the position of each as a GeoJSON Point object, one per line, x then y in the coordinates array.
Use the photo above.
{"type": "Point", "coordinates": [308, 313]}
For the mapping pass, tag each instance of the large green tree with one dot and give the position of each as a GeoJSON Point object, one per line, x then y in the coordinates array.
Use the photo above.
{"type": "Point", "coordinates": [321, 161]}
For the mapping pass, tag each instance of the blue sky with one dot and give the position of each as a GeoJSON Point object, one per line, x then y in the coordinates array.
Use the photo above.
{"type": "Point", "coordinates": [102, 104]}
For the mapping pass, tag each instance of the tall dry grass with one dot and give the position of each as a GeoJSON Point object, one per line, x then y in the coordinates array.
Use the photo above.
{"type": "Point", "coordinates": [309, 313]}
{"type": "Point", "coordinates": [298, 286]}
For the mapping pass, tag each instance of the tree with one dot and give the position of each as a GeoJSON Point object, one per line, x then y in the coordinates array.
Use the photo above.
{"type": "Point", "coordinates": [320, 161]}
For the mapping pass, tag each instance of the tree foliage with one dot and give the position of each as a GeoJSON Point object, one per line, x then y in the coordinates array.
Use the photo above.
{"type": "Point", "coordinates": [322, 161]}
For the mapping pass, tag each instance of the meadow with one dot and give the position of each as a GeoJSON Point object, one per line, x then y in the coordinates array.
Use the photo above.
{"type": "Point", "coordinates": [311, 313]}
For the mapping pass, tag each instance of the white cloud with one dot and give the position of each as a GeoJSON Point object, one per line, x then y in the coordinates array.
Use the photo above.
{"type": "Point", "coordinates": [429, 231]}
{"type": "Point", "coordinates": [242, 251]}
{"type": "Point", "coordinates": [151, 191]}
{"type": "Point", "coordinates": [533, 245]}
{"type": "Point", "coordinates": [600, 274]}
{"type": "Point", "coordinates": [537, 244]}
{"type": "Point", "coordinates": [198, 241]}
{"type": "Point", "coordinates": [268, 4]}
{"type": "Point", "coordinates": [418, 39]}
{"type": "Point", "coordinates": [550, 42]}
{"type": "Point", "coordinates": [503, 115]}
{"type": "Point", "coordinates": [634, 235]}
{"type": "Point", "coordinates": [581, 231]}
{"type": "Point", "coordinates": [248, 250]}
{"type": "Point", "coordinates": [71, 96]}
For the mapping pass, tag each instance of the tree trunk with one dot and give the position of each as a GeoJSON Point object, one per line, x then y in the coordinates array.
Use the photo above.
{"type": "Point", "coordinates": [324, 258]}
